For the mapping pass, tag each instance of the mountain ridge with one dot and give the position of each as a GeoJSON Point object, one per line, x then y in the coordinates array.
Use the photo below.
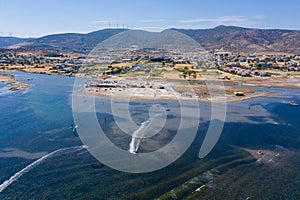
{"type": "Point", "coordinates": [6, 41]}
{"type": "Point", "coordinates": [227, 38]}
{"type": "Point", "coordinates": [246, 39]}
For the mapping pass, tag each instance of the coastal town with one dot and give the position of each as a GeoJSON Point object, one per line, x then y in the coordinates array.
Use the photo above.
{"type": "Point", "coordinates": [44, 63]}
{"type": "Point", "coordinates": [155, 74]}
{"type": "Point", "coordinates": [244, 65]}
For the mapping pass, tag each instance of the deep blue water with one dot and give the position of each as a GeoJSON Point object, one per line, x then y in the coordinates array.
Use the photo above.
{"type": "Point", "coordinates": [39, 120]}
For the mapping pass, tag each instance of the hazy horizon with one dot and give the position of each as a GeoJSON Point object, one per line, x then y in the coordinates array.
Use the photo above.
{"type": "Point", "coordinates": [150, 30]}
{"type": "Point", "coordinates": [35, 19]}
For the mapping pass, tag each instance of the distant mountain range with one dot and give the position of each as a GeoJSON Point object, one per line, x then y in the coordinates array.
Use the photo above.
{"type": "Point", "coordinates": [8, 41]}
{"type": "Point", "coordinates": [73, 42]}
{"type": "Point", "coordinates": [227, 38]}
{"type": "Point", "coordinates": [246, 39]}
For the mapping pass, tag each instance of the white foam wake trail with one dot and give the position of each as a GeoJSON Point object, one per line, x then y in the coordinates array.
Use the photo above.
{"type": "Point", "coordinates": [137, 136]}
{"type": "Point", "coordinates": [17, 175]}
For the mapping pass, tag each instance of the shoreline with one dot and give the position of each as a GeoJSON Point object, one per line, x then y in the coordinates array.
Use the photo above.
{"type": "Point", "coordinates": [195, 92]}
{"type": "Point", "coordinates": [12, 81]}
{"type": "Point", "coordinates": [155, 90]}
{"type": "Point", "coordinates": [289, 82]}
{"type": "Point", "coordinates": [226, 99]}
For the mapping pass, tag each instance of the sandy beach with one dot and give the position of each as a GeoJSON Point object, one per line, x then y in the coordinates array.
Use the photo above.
{"type": "Point", "coordinates": [15, 84]}
{"type": "Point", "coordinates": [279, 82]}
{"type": "Point", "coordinates": [172, 89]}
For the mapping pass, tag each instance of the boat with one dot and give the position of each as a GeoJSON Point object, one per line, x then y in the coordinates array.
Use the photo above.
{"type": "Point", "coordinates": [239, 93]}
{"type": "Point", "coordinates": [259, 152]}
{"type": "Point", "coordinates": [74, 130]}
{"type": "Point", "coordinates": [290, 103]}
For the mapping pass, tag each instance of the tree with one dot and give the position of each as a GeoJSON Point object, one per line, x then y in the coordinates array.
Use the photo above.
{"type": "Point", "coordinates": [186, 70]}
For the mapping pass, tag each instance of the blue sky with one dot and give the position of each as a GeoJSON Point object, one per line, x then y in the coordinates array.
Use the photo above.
{"type": "Point", "coordinates": [34, 18]}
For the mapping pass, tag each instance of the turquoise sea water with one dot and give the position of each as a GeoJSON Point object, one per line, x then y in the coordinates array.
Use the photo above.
{"type": "Point", "coordinates": [37, 121]}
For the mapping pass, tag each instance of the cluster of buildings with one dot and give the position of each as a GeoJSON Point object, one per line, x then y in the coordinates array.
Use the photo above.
{"type": "Point", "coordinates": [245, 72]}
{"type": "Point", "coordinates": [152, 62]}
{"type": "Point", "coordinates": [256, 65]}
{"type": "Point", "coordinates": [118, 83]}
{"type": "Point", "coordinates": [57, 63]}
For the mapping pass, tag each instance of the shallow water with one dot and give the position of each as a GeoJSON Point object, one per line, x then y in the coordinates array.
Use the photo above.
{"type": "Point", "coordinates": [40, 119]}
